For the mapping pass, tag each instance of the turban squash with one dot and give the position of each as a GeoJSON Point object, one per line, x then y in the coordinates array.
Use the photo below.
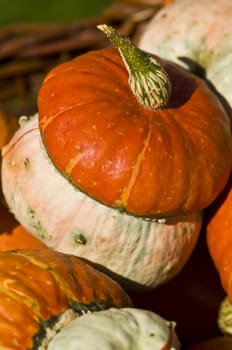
{"type": "Point", "coordinates": [42, 290]}
{"type": "Point", "coordinates": [112, 170]}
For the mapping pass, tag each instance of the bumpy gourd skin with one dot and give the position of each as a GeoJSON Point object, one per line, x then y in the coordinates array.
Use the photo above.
{"type": "Point", "coordinates": [117, 329]}
{"type": "Point", "coordinates": [40, 287]}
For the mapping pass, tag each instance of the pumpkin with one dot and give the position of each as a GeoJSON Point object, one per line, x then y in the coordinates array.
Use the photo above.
{"type": "Point", "coordinates": [198, 35]}
{"type": "Point", "coordinates": [123, 329]}
{"type": "Point", "coordinates": [105, 135]}
{"type": "Point", "coordinates": [217, 343]}
{"type": "Point", "coordinates": [111, 170]}
{"type": "Point", "coordinates": [219, 223]}
{"type": "Point", "coordinates": [43, 290]}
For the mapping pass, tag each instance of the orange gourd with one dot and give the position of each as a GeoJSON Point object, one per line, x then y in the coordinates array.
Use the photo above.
{"type": "Point", "coordinates": [219, 237]}
{"type": "Point", "coordinates": [132, 146]}
{"type": "Point", "coordinates": [219, 229]}
{"type": "Point", "coordinates": [42, 291]}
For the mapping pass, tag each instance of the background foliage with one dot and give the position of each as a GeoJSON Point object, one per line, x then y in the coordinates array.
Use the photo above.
{"type": "Point", "coordinates": [17, 11]}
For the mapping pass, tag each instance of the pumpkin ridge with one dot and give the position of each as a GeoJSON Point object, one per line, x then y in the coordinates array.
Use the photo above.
{"type": "Point", "coordinates": [46, 120]}
{"type": "Point", "coordinates": [36, 304]}
{"type": "Point", "coordinates": [63, 284]}
{"type": "Point", "coordinates": [15, 295]}
{"type": "Point", "coordinates": [187, 151]}
{"type": "Point", "coordinates": [135, 171]}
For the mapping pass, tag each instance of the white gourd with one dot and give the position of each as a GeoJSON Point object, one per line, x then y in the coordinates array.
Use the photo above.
{"type": "Point", "coordinates": [197, 35]}
{"type": "Point", "coordinates": [123, 329]}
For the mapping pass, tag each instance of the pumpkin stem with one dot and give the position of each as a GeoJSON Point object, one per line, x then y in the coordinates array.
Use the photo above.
{"type": "Point", "coordinates": [225, 317]}
{"type": "Point", "coordinates": [148, 80]}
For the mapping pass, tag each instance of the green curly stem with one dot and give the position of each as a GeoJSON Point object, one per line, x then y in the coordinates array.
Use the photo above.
{"type": "Point", "coordinates": [225, 317]}
{"type": "Point", "coordinates": [148, 80]}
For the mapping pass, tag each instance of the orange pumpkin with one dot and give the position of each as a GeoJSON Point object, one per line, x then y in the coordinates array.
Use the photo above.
{"type": "Point", "coordinates": [217, 343]}
{"type": "Point", "coordinates": [42, 291]}
{"type": "Point", "coordinates": [219, 236]}
{"type": "Point", "coordinates": [133, 146]}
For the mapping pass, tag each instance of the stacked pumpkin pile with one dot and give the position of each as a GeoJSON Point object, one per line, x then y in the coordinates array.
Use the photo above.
{"type": "Point", "coordinates": [112, 186]}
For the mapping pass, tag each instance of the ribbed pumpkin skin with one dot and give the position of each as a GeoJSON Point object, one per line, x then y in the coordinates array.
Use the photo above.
{"type": "Point", "coordinates": [170, 160]}
{"type": "Point", "coordinates": [196, 34]}
{"type": "Point", "coordinates": [140, 251]}
{"type": "Point", "coordinates": [219, 237]}
{"type": "Point", "coordinates": [37, 286]}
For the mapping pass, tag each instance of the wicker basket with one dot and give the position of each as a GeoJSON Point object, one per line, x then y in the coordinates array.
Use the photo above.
{"type": "Point", "coordinates": [28, 51]}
